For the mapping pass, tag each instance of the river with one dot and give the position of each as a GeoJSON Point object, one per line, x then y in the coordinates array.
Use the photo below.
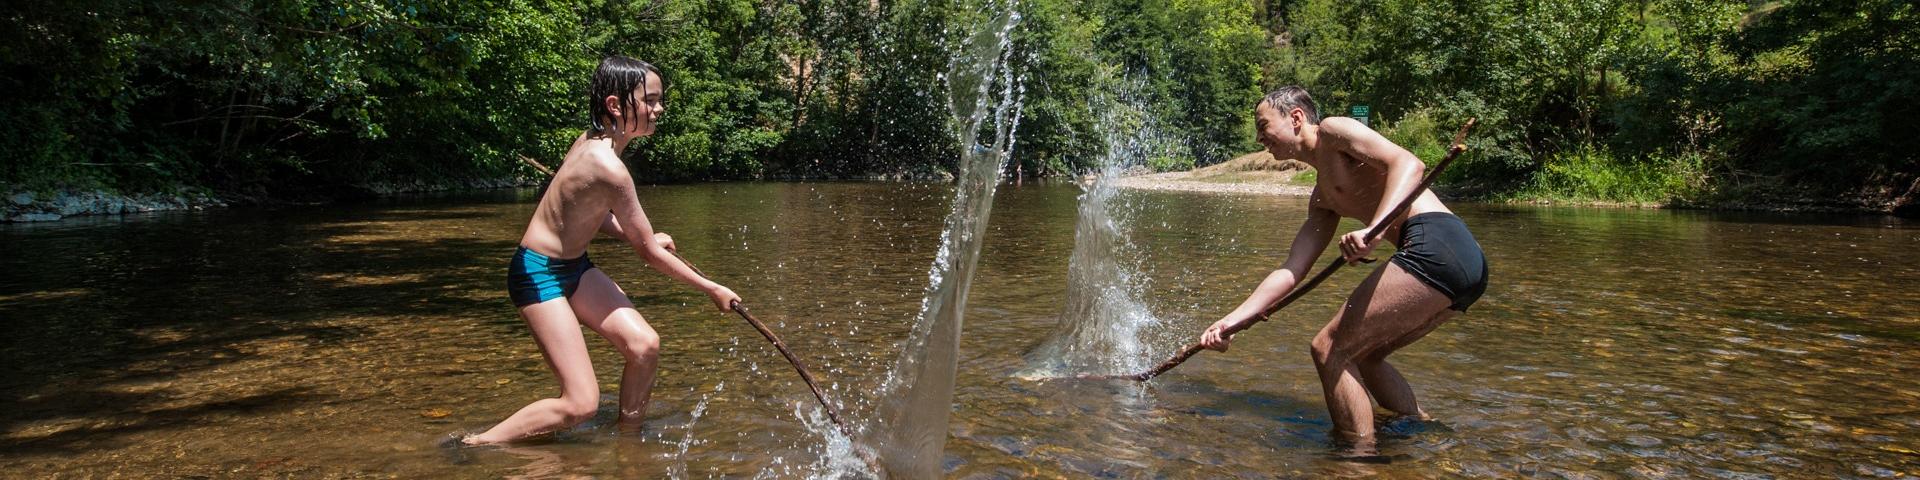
{"type": "Point", "coordinates": [345, 340]}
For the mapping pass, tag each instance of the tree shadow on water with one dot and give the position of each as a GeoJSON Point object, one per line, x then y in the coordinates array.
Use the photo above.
{"type": "Point", "coordinates": [110, 416]}
{"type": "Point", "coordinates": [120, 333]}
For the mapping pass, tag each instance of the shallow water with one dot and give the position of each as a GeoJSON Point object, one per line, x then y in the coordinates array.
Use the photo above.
{"type": "Point", "coordinates": [347, 340]}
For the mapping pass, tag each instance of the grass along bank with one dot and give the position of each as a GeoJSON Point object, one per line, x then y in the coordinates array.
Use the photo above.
{"type": "Point", "coordinates": [1591, 176]}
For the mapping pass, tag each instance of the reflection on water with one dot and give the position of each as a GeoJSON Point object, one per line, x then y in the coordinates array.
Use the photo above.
{"type": "Point", "coordinates": [346, 340]}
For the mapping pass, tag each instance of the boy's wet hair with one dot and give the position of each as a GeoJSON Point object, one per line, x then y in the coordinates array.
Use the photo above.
{"type": "Point", "coordinates": [618, 76]}
{"type": "Point", "coordinates": [1291, 97]}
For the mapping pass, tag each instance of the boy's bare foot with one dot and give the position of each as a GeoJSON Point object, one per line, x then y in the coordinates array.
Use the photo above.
{"type": "Point", "coordinates": [455, 447]}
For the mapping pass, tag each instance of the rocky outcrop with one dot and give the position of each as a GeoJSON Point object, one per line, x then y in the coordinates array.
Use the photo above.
{"type": "Point", "coordinates": [22, 207]}
{"type": "Point", "coordinates": [31, 207]}
{"type": "Point", "coordinates": [1908, 204]}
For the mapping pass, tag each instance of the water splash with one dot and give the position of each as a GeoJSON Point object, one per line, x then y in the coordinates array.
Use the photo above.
{"type": "Point", "coordinates": [835, 458]}
{"type": "Point", "coordinates": [1099, 329]}
{"type": "Point", "coordinates": [917, 395]}
{"type": "Point", "coordinates": [679, 470]}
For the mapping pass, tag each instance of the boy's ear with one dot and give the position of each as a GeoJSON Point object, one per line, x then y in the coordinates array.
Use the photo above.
{"type": "Point", "coordinates": [613, 105]}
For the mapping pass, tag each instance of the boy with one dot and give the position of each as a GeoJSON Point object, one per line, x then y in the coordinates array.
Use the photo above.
{"type": "Point", "coordinates": [1438, 272]}
{"type": "Point", "coordinates": [556, 287]}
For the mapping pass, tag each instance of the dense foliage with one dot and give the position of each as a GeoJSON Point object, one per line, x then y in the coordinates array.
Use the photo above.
{"type": "Point", "coordinates": [1655, 100]}
{"type": "Point", "coordinates": [1652, 100]}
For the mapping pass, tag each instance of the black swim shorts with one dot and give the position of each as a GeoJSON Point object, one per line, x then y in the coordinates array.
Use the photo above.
{"type": "Point", "coordinates": [1437, 248]}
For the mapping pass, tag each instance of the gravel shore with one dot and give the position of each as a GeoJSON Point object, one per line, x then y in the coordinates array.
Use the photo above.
{"type": "Point", "coordinates": [1184, 182]}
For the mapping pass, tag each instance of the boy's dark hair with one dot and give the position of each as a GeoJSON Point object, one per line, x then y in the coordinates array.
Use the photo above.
{"type": "Point", "coordinates": [619, 76]}
{"type": "Point", "coordinates": [1291, 97]}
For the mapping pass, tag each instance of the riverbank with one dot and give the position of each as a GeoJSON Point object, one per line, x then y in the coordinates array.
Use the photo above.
{"type": "Point", "coordinates": [1259, 174]}
{"type": "Point", "coordinates": [1282, 186]}
{"type": "Point", "coordinates": [28, 207]}
{"type": "Point", "coordinates": [1188, 182]}
{"type": "Point", "coordinates": [23, 207]}
{"type": "Point", "coordinates": [1255, 173]}
{"type": "Point", "coordinates": [1252, 174]}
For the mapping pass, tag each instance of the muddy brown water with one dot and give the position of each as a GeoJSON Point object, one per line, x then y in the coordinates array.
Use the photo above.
{"type": "Point", "coordinates": [344, 341]}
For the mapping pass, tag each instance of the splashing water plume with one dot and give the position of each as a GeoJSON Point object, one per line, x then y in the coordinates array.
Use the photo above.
{"type": "Point", "coordinates": [687, 440]}
{"type": "Point", "coordinates": [837, 456]}
{"type": "Point", "coordinates": [917, 395]}
{"type": "Point", "coordinates": [1099, 330]}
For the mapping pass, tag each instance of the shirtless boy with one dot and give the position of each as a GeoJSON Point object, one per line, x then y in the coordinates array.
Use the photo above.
{"type": "Point", "coordinates": [556, 287]}
{"type": "Point", "coordinates": [1438, 272]}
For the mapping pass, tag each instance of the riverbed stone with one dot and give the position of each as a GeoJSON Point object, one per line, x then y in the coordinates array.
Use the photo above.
{"type": "Point", "coordinates": [67, 205]}
{"type": "Point", "coordinates": [22, 198]}
{"type": "Point", "coordinates": [34, 217]}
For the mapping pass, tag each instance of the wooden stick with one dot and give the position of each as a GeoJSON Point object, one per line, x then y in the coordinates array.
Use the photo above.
{"type": "Point", "coordinates": [1299, 290]}
{"type": "Point", "coordinates": [798, 366]}
{"type": "Point", "coordinates": [536, 165]}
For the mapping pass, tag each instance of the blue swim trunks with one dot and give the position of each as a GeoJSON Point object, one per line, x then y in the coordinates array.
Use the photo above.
{"type": "Point", "coordinates": [533, 278]}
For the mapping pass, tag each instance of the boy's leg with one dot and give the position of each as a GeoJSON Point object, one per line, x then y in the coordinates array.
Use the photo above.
{"type": "Point", "coordinates": [1386, 307]}
{"type": "Point", "coordinates": [558, 334]}
{"type": "Point", "coordinates": [1385, 383]}
{"type": "Point", "coordinates": [602, 306]}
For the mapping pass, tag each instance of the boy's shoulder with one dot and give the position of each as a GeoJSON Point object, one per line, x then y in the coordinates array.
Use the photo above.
{"type": "Point", "coordinates": [1347, 131]}
{"type": "Point", "coordinates": [1342, 125]}
{"type": "Point", "coordinates": [600, 162]}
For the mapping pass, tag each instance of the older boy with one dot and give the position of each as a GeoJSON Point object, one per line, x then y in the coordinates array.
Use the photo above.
{"type": "Point", "coordinates": [1438, 272]}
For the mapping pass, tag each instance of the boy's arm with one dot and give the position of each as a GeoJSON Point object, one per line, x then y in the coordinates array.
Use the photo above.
{"type": "Point", "coordinates": [639, 233]}
{"type": "Point", "coordinates": [1403, 177]}
{"type": "Point", "coordinates": [1312, 238]}
{"type": "Point", "coordinates": [611, 227]}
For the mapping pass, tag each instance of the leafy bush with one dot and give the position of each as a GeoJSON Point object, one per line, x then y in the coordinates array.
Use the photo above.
{"type": "Point", "coordinates": [1591, 173]}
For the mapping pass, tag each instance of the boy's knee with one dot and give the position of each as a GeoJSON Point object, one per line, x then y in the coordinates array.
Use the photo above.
{"type": "Point", "coordinates": [1330, 356]}
{"type": "Point", "coordinates": [1322, 349]}
{"type": "Point", "coordinates": [643, 345]}
{"type": "Point", "coordinates": [579, 409]}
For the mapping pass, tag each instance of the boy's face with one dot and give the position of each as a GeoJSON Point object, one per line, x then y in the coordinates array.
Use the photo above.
{"type": "Point", "coordinates": [651, 104]}
{"type": "Point", "coordinates": [1280, 133]}
{"type": "Point", "coordinates": [645, 117]}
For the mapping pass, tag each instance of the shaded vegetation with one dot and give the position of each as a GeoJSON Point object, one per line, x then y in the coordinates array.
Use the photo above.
{"type": "Point", "coordinates": [1650, 101]}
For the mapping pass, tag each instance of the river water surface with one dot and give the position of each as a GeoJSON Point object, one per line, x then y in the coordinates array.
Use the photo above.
{"type": "Point", "coordinates": [346, 340]}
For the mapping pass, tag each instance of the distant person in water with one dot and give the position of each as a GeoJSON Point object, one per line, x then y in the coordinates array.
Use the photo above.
{"type": "Point", "coordinates": [1437, 273]}
{"type": "Point", "coordinates": [556, 287]}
